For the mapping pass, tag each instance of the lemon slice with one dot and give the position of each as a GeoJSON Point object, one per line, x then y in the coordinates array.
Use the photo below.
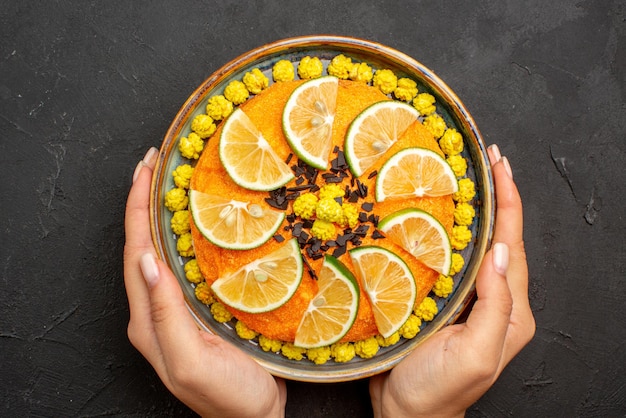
{"type": "Point", "coordinates": [332, 311]}
{"type": "Point", "coordinates": [415, 172]}
{"type": "Point", "coordinates": [248, 158]}
{"type": "Point", "coordinates": [422, 235]}
{"type": "Point", "coordinates": [233, 224]}
{"type": "Point", "coordinates": [374, 130]}
{"type": "Point", "coordinates": [264, 284]}
{"type": "Point", "coordinates": [389, 285]}
{"type": "Point", "coordinates": [308, 120]}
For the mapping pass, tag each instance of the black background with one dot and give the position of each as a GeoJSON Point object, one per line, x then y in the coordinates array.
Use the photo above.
{"type": "Point", "coordinates": [87, 87]}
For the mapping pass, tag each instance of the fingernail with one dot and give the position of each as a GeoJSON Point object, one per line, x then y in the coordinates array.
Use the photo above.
{"type": "Point", "coordinates": [500, 257]}
{"type": "Point", "coordinates": [495, 155]}
{"type": "Point", "coordinates": [140, 165]}
{"type": "Point", "coordinates": [149, 269]}
{"type": "Point", "coordinates": [507, 166]}
{"type": "Point", "coordinates": [150, 156]}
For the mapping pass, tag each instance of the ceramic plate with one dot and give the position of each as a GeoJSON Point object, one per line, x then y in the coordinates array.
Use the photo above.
{"type": "Point", "coordinates": [378, 57]}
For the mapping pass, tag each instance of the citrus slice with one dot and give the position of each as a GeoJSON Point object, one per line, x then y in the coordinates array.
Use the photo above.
{"type": "Point", "coordinates": [248, 158]}
{"type": "Point", "coordinates": [332, 311]}
{"type": "Point", "coordinates": [308, 120]}
{"type": "Point", "coordinates": [233, 224]}
{"type": "Point", "coordinates": [264, 284]}
{"type": "Point", "coordinates": [415, 172]}
{"type": "Point", "coordinates": [422, 235]}
{"type": "Point", "coordinates": [388, 284]}
{"type": "Point", "coordinates": [374, 130]}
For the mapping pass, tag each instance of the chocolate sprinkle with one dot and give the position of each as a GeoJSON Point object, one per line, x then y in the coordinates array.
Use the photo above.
{"type": "Point", "coordinates": [362, 217]}
{"type": "Point", "coordinates": [367, 206]}
{"type": "Point", "coordinates": [339, 251]}
{"type": "Point", "coordinates": [297, 229]}
{"type": "Point", "coordinates": [303, 238]}
{"type": "Point", "coordinates": [343, 239]}
{"type": "Point", "coordinates": [316, 244]}
{"type": "Point", "coordinates": [373, 174]}
{"type": "Point", "coordinates": [279, 238]}
{"type": "Point", "coordinates": [377, 234]}
{"type": "Point", "coordinates": [361, 189]}
{"type": "Point", "coordinates": [334, 179]}
{"type": "Point", "coordinates": [361, 230]}
{"type": "Point", "coordinates": [309, 268]}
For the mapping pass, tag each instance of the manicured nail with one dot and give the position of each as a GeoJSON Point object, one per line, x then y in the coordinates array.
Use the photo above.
{"type": "Point", "coordinates": [149, 269]}
{"type": "Point", "coordinates": [500, 257]}
{"type": "Point", "coordinates": [495, 154]}
{"type": "Point", "coordinates": [507, 166]}
{"type": "Point", "coordinates": [150, 156]}
{"type": "Point", "coordinates": [140, 165]}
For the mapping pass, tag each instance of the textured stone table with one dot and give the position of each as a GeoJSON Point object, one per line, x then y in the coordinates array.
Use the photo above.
{"type": "Point", "coordinates": [86, 88]}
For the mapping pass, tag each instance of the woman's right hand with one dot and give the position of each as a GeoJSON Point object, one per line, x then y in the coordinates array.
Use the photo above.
{"type": "Point", "coordinates": [454, 368]}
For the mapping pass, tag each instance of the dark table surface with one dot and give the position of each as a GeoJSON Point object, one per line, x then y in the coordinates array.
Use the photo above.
{"type": "Point", "coordinates": [87, 87]}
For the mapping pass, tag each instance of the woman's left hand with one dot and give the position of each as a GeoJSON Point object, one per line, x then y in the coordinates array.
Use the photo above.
{"type": "Point", "coordinates": [208, 374]}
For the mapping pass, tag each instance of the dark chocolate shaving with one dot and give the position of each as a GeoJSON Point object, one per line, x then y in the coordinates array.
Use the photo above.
{"type": "Point", "coordinates": [339, 251]}
{"type": "Point", "coordinates": [377, 234]}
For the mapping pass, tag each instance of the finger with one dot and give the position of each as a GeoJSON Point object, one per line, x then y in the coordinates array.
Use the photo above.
{"type": "Point", "coordinates": [509, 225]}
{"type": "Point", "coordinates": [138, 241]}
{"type": "Point", "coordinates": [509, 229]}
{"type": "Point", "coordinates": [490, 316]}
{"type": "Point", "coordinates": [138, 236]}
{"type": "Point", "coordinates": [509, 213]}
{"type": "Point", "coordinates": [174, 327]}
{"type": "Point", "coordinates": [137, 220]}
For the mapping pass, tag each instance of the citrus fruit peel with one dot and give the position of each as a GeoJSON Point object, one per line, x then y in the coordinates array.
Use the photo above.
{"type": "Point", "coordinates": [308, 119]}
{"type": "Point", "coordinates": [265, 284]}
{"type": "Point", "coordinates": [334, 308]}
{"type": "Point", "coordinates": [415, 172]}
{"type": "Point", "coordinates": [422, 235]}
{"type": "Point", "coordinates": [248, 158]}
{"type": "Point", "coordinates": [374, 131]}
{"type": "Point", "coordinates": [389, 285]}
{"type": "Point", "coordinates": [233, 224]}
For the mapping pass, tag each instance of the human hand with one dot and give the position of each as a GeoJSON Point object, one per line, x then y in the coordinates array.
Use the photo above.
{"type": "Point", "coordinates": [453, 369]}
{"type": "Point", "coordinates": [208, 374]}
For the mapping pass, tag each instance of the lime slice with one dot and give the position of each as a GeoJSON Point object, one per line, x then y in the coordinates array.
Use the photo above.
{"type": "Point", "coordinates": [332, 311]}
{"type": "Point", "coordinates": [264, 284]}
{"type": "Point", "coordinates": [308, 120]}
{"type": "Point", "coordinates": [415, 172]}
{"type": "Point", "coordinates": [248, 158]}
{"type": "Point", "coordinates": [233, 224]}
{"type": "Point", "coordinates": [389, 285]}
{"type": "Point", "coordinates": [374, 130]}
{"type": "Point", "coordinates": [422, 235]}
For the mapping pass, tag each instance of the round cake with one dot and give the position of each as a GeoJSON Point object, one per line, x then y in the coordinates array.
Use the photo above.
{"type": "Point", "coordinates": [264, 105]}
